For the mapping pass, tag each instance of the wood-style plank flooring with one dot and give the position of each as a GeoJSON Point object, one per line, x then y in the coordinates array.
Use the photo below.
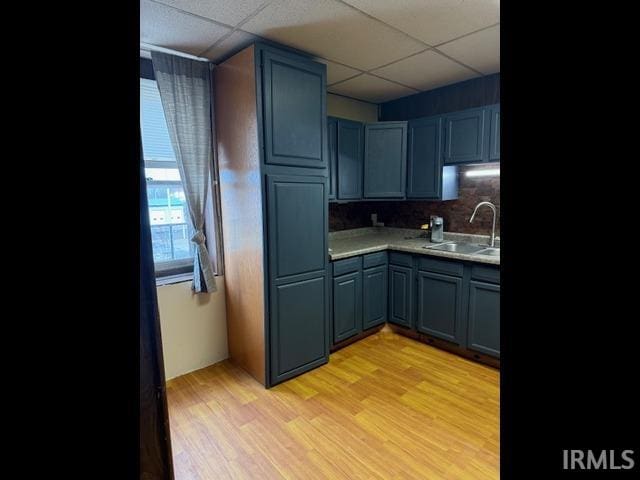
{"type": "Point", "coordinates": [384, 407]}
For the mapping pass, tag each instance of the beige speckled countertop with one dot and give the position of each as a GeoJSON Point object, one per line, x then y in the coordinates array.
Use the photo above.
{"type": "Point", "coordinates": [348, 243]}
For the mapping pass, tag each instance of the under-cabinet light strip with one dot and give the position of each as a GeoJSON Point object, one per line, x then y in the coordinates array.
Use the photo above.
{"type": "Point", "coordinates": [485, 172]}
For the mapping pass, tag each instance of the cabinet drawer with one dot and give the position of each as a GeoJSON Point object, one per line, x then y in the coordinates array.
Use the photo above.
{"type": "Point", "coordinates": [404, 259]}
{"type": "Point", "coordinates": [485, 273]}
{"type": "Point", "coordinates": [441, 266]}
{"type": "Point", "coordinates": [374, 259]}
{"type": "Point", "coordinates": [347, 265]}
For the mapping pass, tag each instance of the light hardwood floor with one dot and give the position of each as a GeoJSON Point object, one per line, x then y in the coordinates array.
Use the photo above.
{"type": "Point", "coordinates": [384, 407]}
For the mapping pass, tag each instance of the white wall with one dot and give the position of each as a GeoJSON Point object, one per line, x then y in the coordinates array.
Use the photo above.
{"type": "Point", "coordinates": [194, 327]}
{"type": "Point", "coordinates": [351, 109]}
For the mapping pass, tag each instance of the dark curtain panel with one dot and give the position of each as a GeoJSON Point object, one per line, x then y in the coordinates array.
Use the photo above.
{"type": "Point", "coordinates": [155, 443]}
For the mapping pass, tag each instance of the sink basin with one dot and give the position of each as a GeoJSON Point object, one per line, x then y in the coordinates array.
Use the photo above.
{"type": "Point", "coordinates": [468, 248]}
{"type": "Point", "coordinates": [494, 252]}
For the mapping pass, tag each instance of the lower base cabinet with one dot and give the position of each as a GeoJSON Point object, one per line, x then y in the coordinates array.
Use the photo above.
{"type": "Point", "coordinates": [298, 327]}
{"type": "Point", "coordinates": [484, 318]}
{"type": "Point", "coordinates": [347, 306]}
{"type": "Point", "coordinates": [359, 292]}
{"type": "Point", "coordinates": [374, 296]}
{"type": "Point", "coordinates": [440, 306]}
{"type": "Point", "coordinates": [400, 295]}
{"type": "Point", "coordinates": [455, 301]}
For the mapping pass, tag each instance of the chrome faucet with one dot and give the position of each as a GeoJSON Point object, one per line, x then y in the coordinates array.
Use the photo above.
{"type": "Point", "coordinates": [493, 228]}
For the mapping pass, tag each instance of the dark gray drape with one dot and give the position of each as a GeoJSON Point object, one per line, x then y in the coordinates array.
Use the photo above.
{"type": "Point", "coordinates": [185, 91]}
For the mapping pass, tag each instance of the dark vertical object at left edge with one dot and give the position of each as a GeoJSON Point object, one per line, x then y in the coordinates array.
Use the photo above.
{"type": "Point", "coordinates": [155, 442]}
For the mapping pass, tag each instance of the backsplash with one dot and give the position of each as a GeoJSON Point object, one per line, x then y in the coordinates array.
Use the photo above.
{"type": "Point", "coordinates": [413, 213]}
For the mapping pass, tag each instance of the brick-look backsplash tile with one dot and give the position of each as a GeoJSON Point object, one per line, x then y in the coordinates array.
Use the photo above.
{"type": "Point", "coordinates": [412, 214]}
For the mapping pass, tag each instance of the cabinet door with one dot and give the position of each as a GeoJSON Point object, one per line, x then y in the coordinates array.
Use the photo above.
{"type": "Point", "coordinates": [347, 306]}
{"type": "Point", "coordinates": [385, 160]}
{"type": "Point", "coordinates": [297, 219]}
{"type": "Point", "coordinates": [440, 305]}
{"type": "Point", "coordinates": [298, 327]}
{"type": "Point", "coordinates": [494, 138]}
{"type": "Point", "coordinates": [465, 136]}
{"type": "Point", "coordinates": [374, 296]}
{"type": "Point", "coordinates": [294, 111]}
{"type": "Point", "coordinates": [424, 162]}
{"type": "Point", "coordinates": [332, 162]}
{"type": "Point", "coordinates": [400, 295]}
{"type": "Point", "coordinates": [350, 158]}
{"type": "Point", "coordinates": [484, 318]}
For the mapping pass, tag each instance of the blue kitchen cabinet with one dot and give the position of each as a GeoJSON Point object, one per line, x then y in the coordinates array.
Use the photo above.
{"type": "Point", "coordinates": [350, 159]}
{"type": "Point", "coordinates": [465, 136]}
{"type": "Point", "coordinates": [494, 136]}
{"type": "Point", "coordinates": [483, 316]}
{"type": "Point", "coordinates": [298, 327]}
{"type": "Point", "coordinates": [427, 177]}
{"type": "Point", "coordinates": [374, 296]}
{"type": "Point", "coordinates": [295, 110]}
{"type": "Point", "coordinates": [332, 152]}
{"type": "Point", "coordinates": [347, 306]}
{"type": "Point", "coordinates": [385, 160]}
{"type": "Point", "coordinates": [439, 311]}
{"type": "Point", "coordinates": [401, 295]}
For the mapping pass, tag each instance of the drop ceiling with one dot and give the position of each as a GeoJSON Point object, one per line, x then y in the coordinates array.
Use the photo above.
{"type": "Point", "coordinates": [375, 50]}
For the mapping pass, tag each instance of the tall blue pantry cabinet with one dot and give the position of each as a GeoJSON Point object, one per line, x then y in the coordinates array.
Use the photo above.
{"type": "Point", "coordinates": [271, 134]}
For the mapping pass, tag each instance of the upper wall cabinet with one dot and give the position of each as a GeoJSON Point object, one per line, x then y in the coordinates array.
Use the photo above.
{"type": "Point", "coordinates": [426, 176]}
{"type": "Point", "coordinates": [332, 151]}
{"type": "Point", "coordinates": [465, 135]}
{"type": "Point", "coordinates": [494, 136]}
{"type": "Point", "coordinates": [385, 160]}
{"type": "Point", "coordinates": [295, 116]}
{"type": "Point", "coordinates": [350, 159]}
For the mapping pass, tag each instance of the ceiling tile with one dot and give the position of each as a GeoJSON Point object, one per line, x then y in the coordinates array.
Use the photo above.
{"type": "Point", "coordinates": [425, 71]}
{"type": "Point", "coordinates": [370, 88]}
{"type": "Point", "coordinates": [166, 27]}
{"type": "Point", "coordinates": [479, 50]}
{"type": "Point", "coordinates": [230, 12]}
{"type": "Point", "coordinates": [331, 29]}
{"type": "Point", "coordinates": [336, 72]}
{"type": "Point", "coordinates": [433, 21]}
{"type": "Point", "coordinates": [230, 45]}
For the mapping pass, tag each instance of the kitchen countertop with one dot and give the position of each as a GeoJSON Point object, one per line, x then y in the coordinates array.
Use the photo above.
{"type": "Point", "coordinates": [358, 241]}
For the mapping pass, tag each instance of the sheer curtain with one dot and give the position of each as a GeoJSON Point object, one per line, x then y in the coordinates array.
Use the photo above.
{"type": "Point", "coordinates": [185, 91]}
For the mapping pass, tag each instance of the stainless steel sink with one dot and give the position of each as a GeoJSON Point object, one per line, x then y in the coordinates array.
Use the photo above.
{"type": "Point", "coordinates": [467, 248]}
{"type": "Point", "coordinates": [494, 252]}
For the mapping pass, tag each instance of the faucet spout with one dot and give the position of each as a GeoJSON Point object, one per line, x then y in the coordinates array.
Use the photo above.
{"type": "Point", "coordinates": [493, 228]}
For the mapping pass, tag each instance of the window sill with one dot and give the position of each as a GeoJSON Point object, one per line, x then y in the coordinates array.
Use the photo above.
{"type": "Point", "coordinates": [179, 278]}
{"type": "Point", "coordinates": [171, 279]}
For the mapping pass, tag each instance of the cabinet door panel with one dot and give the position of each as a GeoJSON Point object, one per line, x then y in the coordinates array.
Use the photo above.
{"type": "Point", "coordinates": [294, 111]}
{"type": "Point", "coordinates": [347, 306]}
{"type": "Point", "coordinates": [298, 328]}
{"type": "Point", "coordinates": [424, 163]}
{"type": "Point", "coordinates": [385, 160]}
{"type": "Point", "coordinates": [297, 223]}
{"type": "Point", "coordinates": [350, 158]}
{"type": "Point", "coordinates": [484, 318]}
{"type": "Point", "coordinates": [374, 296]}
{"type": "Point", "coordinates": [440, 305]}
{"type": "Point", "coordinates": [494, 140]}
{"type": "Point", "coordinates": [400, 295]}
{"type": "Point", "coordinates": [332, 137]}
{"type": "Point", "coordinates": [465, 136]}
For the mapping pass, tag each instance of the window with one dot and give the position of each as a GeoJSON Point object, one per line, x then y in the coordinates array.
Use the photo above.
{"type": "Point", "coordinates": [171, 232]}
